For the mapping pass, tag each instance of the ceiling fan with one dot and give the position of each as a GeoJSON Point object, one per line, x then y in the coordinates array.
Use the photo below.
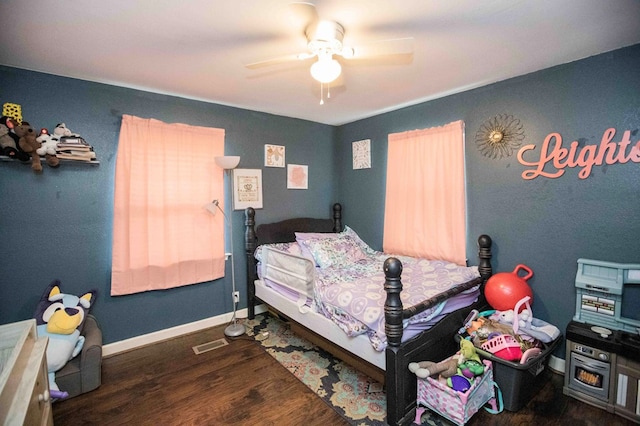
{"type": "Point", "coordinates": [325, 42]}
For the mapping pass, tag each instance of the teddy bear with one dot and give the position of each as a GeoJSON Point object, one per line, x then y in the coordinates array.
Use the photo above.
{"type": "Point", "coordinates": [7, 144]}
{"type": "Point", "coordinates": [29, 144]}
{"type": "Point", "coordinates": [60, 317]}
{"type": "Point", "coordinates": [48, 148]}
{"type": "Point", "coordinates": [9, 141]}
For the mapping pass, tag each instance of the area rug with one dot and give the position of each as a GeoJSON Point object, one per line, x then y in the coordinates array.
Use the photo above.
{"type": "Point", "coordinates": [357, 398]}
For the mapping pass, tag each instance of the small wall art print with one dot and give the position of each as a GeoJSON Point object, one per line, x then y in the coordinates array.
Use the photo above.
{"type": "Point", "coordinates": [274, 156]}
{"type": "Point", "coordinates": [247, 188]}
{"type": "Point", "coordinates": [297, 176]}
{"type": "Point", "coordinates": [361, 154]}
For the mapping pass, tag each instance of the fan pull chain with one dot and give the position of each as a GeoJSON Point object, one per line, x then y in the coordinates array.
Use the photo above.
{"type": "Point", "coordinates": [322, 92]}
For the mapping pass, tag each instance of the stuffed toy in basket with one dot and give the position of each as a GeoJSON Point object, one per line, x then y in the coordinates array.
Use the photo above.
{"type": "Point", "coordinates": [455, 405]}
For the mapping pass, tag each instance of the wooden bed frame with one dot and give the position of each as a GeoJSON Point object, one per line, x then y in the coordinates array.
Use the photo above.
{"type": "Point", "coordinates": [433, 344]}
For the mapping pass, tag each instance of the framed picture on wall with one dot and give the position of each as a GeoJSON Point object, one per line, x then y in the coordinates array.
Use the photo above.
{"type": "Point", "coordinates": [297, 176]}
{"type": "Point", "coordinates": [247, 188]}
{"type": "Point", "coordinates": [361, 154]}
{"type": "Point", "coordinates": [274, 156]}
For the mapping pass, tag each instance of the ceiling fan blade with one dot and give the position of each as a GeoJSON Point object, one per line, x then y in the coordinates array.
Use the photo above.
{"type": "Point", "coordinates": [396, 46]}
{"type": "Point", "coordinates": [279, 60]}
{"type": "Point", "coordinates": [305, 14]}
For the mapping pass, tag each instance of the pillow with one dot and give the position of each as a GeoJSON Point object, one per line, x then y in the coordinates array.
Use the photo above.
{"type": "Point", "coordinates": [364, 246]}
{"type": "Point", "coordinates": [301, 237]}
{"type": "Point", "coordinates": [339, 251]}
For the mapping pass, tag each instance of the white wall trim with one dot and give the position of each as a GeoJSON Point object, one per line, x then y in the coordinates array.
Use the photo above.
{"type": "Point", "coordinates": [170, 333]}
{"type": "Point", "coordinates": [556, 364]}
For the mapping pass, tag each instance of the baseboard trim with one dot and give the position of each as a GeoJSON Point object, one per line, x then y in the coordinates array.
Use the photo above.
{"type": "Point", "coordinates": [556, 364]}
{"type": "Point", "coordinates": [170, 333]}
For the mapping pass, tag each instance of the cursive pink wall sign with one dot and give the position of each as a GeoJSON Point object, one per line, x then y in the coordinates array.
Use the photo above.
{"type": "Point", "coordinates": [558, 158]}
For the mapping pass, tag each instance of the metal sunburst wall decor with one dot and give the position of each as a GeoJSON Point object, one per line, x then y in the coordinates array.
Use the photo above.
{"type": "Point", "coordinates": [499, 136]}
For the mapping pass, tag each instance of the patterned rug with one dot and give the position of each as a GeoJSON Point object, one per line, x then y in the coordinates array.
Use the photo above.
{"type": "Point", "coordinates": [357, 398]}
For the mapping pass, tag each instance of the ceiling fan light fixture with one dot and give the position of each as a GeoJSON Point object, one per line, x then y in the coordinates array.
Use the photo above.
{"type": "Point", "coordinates": [326, 70]}
{"type": "Point", "coordinates": [348, 52]}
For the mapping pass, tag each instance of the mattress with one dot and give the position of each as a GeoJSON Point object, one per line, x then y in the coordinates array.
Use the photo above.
{"type": "Point", "coordinates": [352, 294]}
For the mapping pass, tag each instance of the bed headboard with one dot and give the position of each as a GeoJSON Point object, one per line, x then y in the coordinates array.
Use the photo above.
{"type": "Point", "coordinates": [279, 232]}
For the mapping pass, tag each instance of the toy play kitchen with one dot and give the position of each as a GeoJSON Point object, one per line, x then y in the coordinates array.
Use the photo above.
{"type": "Point", "coordinates": [603, 342]}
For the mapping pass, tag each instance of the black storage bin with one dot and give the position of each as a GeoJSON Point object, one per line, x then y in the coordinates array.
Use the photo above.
{"type": "Point", "coordinates": [519, 382]}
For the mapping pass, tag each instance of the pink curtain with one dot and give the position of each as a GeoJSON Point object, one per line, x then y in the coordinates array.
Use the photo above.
{"type": "Point", "coordinates": [425, 197]}
{"type": "Point", "coordinates": [163, 237]}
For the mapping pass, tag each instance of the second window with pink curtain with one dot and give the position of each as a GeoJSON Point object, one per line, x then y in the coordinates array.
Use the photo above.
{"type": "Point", "coordinates": [425, 211]}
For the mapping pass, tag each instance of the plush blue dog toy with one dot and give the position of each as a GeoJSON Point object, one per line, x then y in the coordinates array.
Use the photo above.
{"type": "Point", "coordinates": [60, 317]}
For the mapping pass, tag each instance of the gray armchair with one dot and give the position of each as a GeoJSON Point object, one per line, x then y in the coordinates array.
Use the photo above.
{"type": "Point", "coordinates": [84, 372]}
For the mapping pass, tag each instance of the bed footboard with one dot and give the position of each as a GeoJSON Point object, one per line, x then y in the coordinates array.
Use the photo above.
{"type": "Point", "coordinates": [436, 343]}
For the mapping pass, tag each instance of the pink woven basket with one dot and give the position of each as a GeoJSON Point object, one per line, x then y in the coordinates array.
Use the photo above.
{"type": "Point", "coordinates": [504, 346]}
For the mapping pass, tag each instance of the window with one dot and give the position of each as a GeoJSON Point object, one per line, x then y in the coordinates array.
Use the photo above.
{"type": "Point", "coordinates": [163, 236]}
{"type": "Point", "coordinates": [425, 213]}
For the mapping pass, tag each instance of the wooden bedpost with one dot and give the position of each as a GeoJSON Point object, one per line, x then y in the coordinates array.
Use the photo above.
{"type": "Point", "coordinates": [484, 253]}
{"type": "Point", "coordinates": [250, 247]}
{"type": "Point", "coordinates": [393, 304]}
{"type": "Point", "coordinates": [337, 217]}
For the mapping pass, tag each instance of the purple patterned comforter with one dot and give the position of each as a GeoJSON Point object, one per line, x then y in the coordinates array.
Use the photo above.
{"type": "Point", "coordinates": [353, 296]}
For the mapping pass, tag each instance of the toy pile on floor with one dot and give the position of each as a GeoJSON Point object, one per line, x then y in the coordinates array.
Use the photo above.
{"type": "Point", "coordinates": [509, 332]}
{"type": "Point", "coordinates": [457, 387]}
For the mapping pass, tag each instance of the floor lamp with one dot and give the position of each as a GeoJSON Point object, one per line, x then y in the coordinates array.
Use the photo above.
{"type": "Point", "coordinates": [228, 163]}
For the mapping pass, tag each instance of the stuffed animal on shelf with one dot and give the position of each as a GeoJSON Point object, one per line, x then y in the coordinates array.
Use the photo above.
{"type": "Point", "coordinates": [29, 144]}
{"type": "Point", "coordinates": [48, 148]}
{"type": "Point", "coordinates": [9, 141]}
{"type": "Point", "coordinates": [61, 131]}
{"type": "Point", "coordinates": [8, 146]}
{"type": "Point", "coordinates": [60, 317]}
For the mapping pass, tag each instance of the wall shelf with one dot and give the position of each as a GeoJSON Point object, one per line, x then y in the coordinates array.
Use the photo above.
{"type": "Point", "coordinates": [42, 160]}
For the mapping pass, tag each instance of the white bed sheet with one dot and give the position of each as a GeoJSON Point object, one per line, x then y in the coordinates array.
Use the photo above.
{"type": "Point", "coordinates": [358, 345]}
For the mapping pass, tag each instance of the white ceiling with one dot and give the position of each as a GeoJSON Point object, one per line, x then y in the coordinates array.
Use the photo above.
{"type": "Point", "coordinates": [198, 49]}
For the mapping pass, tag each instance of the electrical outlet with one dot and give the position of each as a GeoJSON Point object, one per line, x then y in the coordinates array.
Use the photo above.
{"type": "Point", "coordinates": [236, 297]}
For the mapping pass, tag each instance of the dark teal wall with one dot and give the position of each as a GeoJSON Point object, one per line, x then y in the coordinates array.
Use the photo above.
{"type": "Point", "coordinates": [59, 224]}
{"type": "Point", "coordinates": [546, 224]}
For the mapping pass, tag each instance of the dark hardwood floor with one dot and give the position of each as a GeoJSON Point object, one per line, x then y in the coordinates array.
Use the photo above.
{"type": "Point", "coordinates": [240, 384]}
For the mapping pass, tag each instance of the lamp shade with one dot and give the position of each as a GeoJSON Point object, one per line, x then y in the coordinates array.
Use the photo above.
{"type": "Point", "coordinates": [227, 162]}
{"type": "Point", "coordinates": [326, 69]}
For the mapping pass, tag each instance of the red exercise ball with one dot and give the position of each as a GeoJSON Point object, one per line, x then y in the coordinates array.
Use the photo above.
{"type": "Point", "coordinates": [505, 289]}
